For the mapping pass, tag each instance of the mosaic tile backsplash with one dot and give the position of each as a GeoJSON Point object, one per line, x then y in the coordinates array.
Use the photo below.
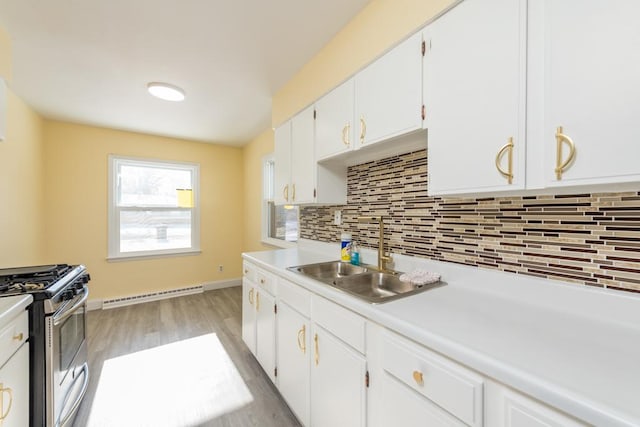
{"type": "Point", "coordinates": [593, 239]}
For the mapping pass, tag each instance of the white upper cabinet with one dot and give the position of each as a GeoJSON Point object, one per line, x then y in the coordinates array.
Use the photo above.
{"type": "Point", "coordinates": [335, 128]}
{"type": "Point", "coordinates": [282, 157]}
{"type": "Point", "coordinates": [591, 91]}
{"type": "Point", "coordinates": [474, 93]}
{"type": "Point", "coordinates": [302, 157]}
{"type": "Point", "coordinates": [388, 94]}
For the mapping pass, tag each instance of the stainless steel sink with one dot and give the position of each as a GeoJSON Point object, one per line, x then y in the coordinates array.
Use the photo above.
{"type": "Point", "coordinates": [329, 271]}
{"type": "Point", "coordinates": [362, 281]}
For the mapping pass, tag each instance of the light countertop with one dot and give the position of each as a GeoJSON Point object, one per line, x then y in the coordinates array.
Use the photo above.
{"type": "Point", "coordinates": [574, 347]}
{"type": "Point", "coordinates": [10, 307]}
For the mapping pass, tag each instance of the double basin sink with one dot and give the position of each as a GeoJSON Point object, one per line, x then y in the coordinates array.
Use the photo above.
{"type": "Point", "coordinates": [363, 281]}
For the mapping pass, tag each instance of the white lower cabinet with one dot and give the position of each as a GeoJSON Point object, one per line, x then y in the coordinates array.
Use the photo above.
{"type": "Point", "coordinates": [338, 387]}
{"type": "Point", "coordinates": [249, 314]}
{"type": "Point", "coordinates": [294, 352]}
{"type": "Point", "coordinates": [266, 332]}
{"type": "Point", "coordinates": [508, 408]}
{"type": "Point", "coordinates": [14, 372]}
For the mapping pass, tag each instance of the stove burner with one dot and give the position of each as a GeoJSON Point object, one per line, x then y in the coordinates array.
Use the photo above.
{"type": "Point", "coordinates": [31, 279]}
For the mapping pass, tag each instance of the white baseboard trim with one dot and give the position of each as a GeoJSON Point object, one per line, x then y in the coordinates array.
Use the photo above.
{"type": "Point", "coordinates": [221, 284]}
{"type": "Point", "coordinates": [98, 304]}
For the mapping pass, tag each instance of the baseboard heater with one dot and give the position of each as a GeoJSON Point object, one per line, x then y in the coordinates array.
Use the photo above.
{"type": "Point", "coordinates": [153, 296]}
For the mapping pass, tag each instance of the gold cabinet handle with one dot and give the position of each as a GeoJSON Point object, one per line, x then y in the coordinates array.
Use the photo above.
{"type": "Point", "coordinates": [507, 148]}
{"type": "Point", "coordinates": [285, 192]}
{"type": "Point", "coordinates": [363, 129]}
{"type": "Point", "coordinates": [246, 271]}
{"type": "Point", "coordinates": [345, 134]}
{"type": "Point", "coordinates": [251, 296]}
{"type": "Point", "coordinates": [3, 413]}
{"type": "Point", "coordinates": [294, 193]}
{"type": "Point", "coordinates": [262, 281]}
{"type": "Point", "coordinates": [417, 377]}
{"type": "Point", "coordinates": [302, 333]}
{"type": "Point", "coordinates": [560, 165]}
{"type": "Point", "coordinates": [315, 339]}
{"type": "Point", "coordinates": [18, 337]}
{"type": "Point", "coordinates": [257, 301]}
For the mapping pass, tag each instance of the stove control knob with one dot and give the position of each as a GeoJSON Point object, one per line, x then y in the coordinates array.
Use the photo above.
{"type": "Point", "coordinates": [68, 294]}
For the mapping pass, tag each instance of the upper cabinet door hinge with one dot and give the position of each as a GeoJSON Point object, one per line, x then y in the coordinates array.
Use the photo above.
{"type": "Point", "coordinates": [275, 308]}
{"type": "Point", "coordinates": [423, 112]}
{"type": "Point", "coordinates": [366, 379]}
{"type": "Point", "coordinates": [314, 193]}
{"type": "Point", "coordinates": [275, 371]}
{"type": "Point", "coordinates": [424, 47]}
{"type": "Point", "coordinates": [315, 114]}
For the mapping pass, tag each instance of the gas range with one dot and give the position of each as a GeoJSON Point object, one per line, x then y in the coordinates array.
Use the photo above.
{"type": "Point", "coordinates": [58, 368]}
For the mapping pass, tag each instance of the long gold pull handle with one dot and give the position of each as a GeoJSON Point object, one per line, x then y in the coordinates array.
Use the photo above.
{"type": "Point", "coordinates": [345, 134]}
{"type": "Point", "coordinates": [257, 301]}
{"type": "Point", "coordinates": [251, 296]}
{"type": "Point", "coordinates": [4, 390]}
{"type": "Point", "coordinates": [294, 193]}
{"type": "Point", "coordinates": [417, 377]}
{"type": "Point", "coordinates": [315, 339]}
{"type": "Point", "coordinates": [508, 148]}
{"type": "Point", "coordinates": [285, 193]}
{"type": "Point", "coordinates": [18, 337]}
{"type": "Point", "coordinates": [302, 338]}
{"type": "Point", "coordinates": [560, 165]}
{"type": "Point", "coordinates": [363, 129]}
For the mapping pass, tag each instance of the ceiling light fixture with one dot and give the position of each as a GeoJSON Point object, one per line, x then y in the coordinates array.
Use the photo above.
{"type": "Point", "coordinates": [166, 91]}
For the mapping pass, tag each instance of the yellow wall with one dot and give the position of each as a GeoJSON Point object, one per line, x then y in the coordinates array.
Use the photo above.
{"type": "Point", "coordinates": [76, 199]}
{"type": "Point", "coordinates": [252, 156]}
{"type": "Point", "coordinates": [21, 187]}
{"type": "Point", "coordinates": [378, 27]}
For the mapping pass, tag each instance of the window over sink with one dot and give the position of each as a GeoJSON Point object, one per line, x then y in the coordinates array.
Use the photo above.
{"type": "Point", "coordinates": [153, 207]}
{"type": "Point", "coordinates": [279, 222]}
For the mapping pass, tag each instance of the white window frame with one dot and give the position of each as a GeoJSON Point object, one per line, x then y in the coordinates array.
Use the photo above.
{"type": "Point", "coordinates": [267, 196]}
{"type": "Point", "coordinates": [114, 253]}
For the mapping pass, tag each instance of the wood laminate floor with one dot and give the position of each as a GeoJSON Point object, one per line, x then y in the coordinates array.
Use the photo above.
{"type": "Point", "coordinates": [137, 337]}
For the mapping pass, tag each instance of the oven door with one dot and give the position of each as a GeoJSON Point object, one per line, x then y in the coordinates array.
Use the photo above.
{"type": "Point", "coordinates": [67, 369]}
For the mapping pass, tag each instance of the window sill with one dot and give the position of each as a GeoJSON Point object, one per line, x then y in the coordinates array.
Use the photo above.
{"type": "Point", "coordinates": [283, 244]}
{"type": "Point", "coordinates": [119, 258]}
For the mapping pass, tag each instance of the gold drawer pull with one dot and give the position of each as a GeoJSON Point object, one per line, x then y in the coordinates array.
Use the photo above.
{"type": "Point", "coordinates": [508, 148]}
{"type": "Point", "coordinates": [262, 281]}
{"type": "Point", "coordinates": [251, 296]}
{"type": "Point", "coordinates": [345, 134]}
{"type": "Point", "coordinates": [363, 129]}
{"type": "Point", "coordinates": [302, 333]}
{"type": "Point", "coordinates": [315, 338]}
{"type": "Point", "coordinates": [560, 165]}
{"type": "Point", "coordinates": [4, 414]}
{"type": "Point", "coordinates": [246, 271]}
{"type": "Point", "coordinates": [417, 377]}
{"type": "Point", "coordinates": [18, 337]}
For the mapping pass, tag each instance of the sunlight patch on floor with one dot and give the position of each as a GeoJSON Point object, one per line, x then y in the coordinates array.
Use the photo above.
{"type": "Point", "coordinates": [185, 383]}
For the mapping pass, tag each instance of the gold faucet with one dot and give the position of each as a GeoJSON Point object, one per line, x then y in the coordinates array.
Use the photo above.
{"type": "Point", "coordinates": [382, 258]}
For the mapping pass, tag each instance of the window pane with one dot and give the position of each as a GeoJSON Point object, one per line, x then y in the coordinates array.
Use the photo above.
{"type": "Point", "coordinates": [151, 186]}
{"type": "Point", "coordinates": [144, 230]}
{"type": "Point", "coordinates": [283, 222]}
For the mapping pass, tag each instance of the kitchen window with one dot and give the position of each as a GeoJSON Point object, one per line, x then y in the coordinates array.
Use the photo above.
{"type": "Point", "coordinates": [279, 223]}
{"type": "Point", "coordinates": [153, 208]}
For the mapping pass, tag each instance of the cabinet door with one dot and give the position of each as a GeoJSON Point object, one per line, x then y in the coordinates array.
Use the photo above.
{"type": "Point", "coordinates": [266, 332]}
{"type": "Point", "coordinates": [282, 178]}
{"type": "Point", "coordinates": [338, 392]}
{"type": "Point", "coordinates": [475, 82]}
{"type": "Point", "coordinates": [303, 165]}
{"type": "Point", "coordinates": [520, 411]}
{"type": "Point", "coordinates": [388, 94]}
{"type": "Point", "coordinates": [592, 91]}
{"type": "Point", "coordinates": [293, 360]}
{"type": "Point", "coordinates": [14, 376]}
{"type": "Point", "coordinates": [249, 315]}
{"type": "Point", "coordinates": [334, 121]}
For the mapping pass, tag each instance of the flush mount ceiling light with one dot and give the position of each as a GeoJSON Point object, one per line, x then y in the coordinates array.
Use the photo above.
{"type": "Point", "coordinates": [166, 91]}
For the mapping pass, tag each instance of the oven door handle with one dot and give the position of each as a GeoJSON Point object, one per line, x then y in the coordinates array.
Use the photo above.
{"type": "Point", "coordinates": [76, 404]}
{"type": "Point", "coordinates": [59, 318]}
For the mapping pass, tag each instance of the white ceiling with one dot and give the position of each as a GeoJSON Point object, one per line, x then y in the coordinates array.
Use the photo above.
{"type": "Point", "coordinates": [88, 61]}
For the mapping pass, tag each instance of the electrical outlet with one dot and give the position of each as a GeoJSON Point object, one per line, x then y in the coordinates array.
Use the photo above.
{"type": "Point", "coordinates": [220, 268]}
{"type": "Point", "coordinates": [337, 217]}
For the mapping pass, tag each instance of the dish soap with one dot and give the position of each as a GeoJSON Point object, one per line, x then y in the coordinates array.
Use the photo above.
{"type": "Point", "coordinates": [355, 254]}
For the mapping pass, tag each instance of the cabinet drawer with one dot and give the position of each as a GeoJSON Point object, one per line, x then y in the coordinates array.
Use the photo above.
{"type": "Point", "coordinates": [266, 281]}
{"type": "Point", "coordinates": [444, 382]}
{"type": "Point", "coordinates": [12, 336]}
{"type": "Point", "coordinates": [344, 324]}
{"type": "Point", "coordinates": [295, 296]}
{"type": "Point", "coordinates": [249, 271]}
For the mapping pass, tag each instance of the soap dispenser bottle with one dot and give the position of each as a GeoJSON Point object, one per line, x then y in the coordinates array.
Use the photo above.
{"type": "Point", "coordinates": [355, 254]}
